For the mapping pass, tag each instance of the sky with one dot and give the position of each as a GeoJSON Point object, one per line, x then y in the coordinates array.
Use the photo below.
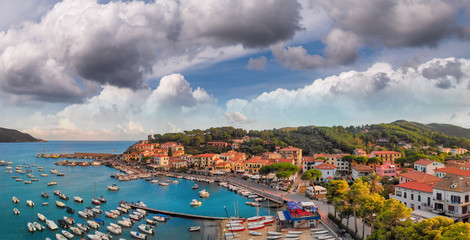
{"type": "Point", "coordinates": [120, 70]}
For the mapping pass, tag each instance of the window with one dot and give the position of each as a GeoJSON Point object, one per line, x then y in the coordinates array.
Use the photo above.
{"type": "Point", "coordinates": [412, 196]}
{"type": "Point", "coordinates": [451, 208]}
{"type": "Point", "coordinates": [464, 210]}
{"type": "Point", "coordinates": [419, 198]}
{"type": "Point", "coordinates": [404, 194]}
{"type": "Point", "coordinates": [439, 196]}
{"type": "Point", "coordinates": [466, 198]}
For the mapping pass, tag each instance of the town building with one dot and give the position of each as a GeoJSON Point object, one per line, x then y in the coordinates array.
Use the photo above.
{"type": "Point", "coordinates": [178, 163]}
{"type": "Point", "coordinates": [205, 160]}
{"type": "Point", "coordinates": [442, 172]}
{"type": "Point", "coordinates": [389, 156]}
{"type": "Point", "coordinates": [458, 151]}
{"type": "Point", "coordinates": [292, 153]}
{"type": "Point", "coordinates": [310, 162]}
{"type": "Point", "coordinates": [328, 172]}
{"type": "Point", "coordinates": [452, 197]}
{"type": "Point", "coordinates": [343, 167]}
{"type": "Point", "coordinates": [361, 170]}
{"type": "Point", "coordinates": [360, 152]}
{"type": "Point", "coordinates": [415, 195]}
{"type": "Point", "coordinates": [299, 215]}
{"type": "Point", "coordinates": [415, 176]}
{"type": "Point", "coordinates": [254, 164]}
{"type": "Point", "coordinates": [218, 144]}
{"type": "Point", "coordinates": [161, 160]}
{"type": "Point", "coordinates": [427, 166]}
{"type": "Point", "coordinates": [386, 169]}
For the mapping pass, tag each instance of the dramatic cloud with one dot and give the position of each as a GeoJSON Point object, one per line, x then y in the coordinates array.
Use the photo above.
{"type": "Point", "coordinates": [379, 94]}
{"type": "Point", "coordinates": [237, 118]}
{"type": "Point", "coordinates": [257, 63]}
{"type": "Point", "coordinates": [79, 45]}
{"type": "Point", "coordinates": [393, 24]}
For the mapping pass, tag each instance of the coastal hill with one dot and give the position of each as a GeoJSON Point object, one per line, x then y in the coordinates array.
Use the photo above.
{"type": "Point", "coordinates": [317, 139]}
{"type": "Point", "coordinates": [12, 135]}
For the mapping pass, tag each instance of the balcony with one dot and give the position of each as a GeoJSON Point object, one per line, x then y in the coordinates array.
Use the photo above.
{"type": "Point", "coordinates": [438, 200]}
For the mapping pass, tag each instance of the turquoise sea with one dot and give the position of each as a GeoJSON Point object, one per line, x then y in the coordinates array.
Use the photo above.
{"type": "Point", "coordinates": [80, 181]}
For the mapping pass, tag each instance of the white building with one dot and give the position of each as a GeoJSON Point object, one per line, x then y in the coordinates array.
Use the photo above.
{"type": "Point", "coordinates": [427, 166]}
{"type": "Point", "coordinates": [452, 197]}
{"type": "Point", "coordinates": [361, 170]}
{"type": "Point", "coordinates": [310, 162]}
{"type": "Point", "coordinates": [415, 195]}
{"type": "Point", "coordinates": [161, 160]}
{"type": "Point", "coordinates": [328, 172]}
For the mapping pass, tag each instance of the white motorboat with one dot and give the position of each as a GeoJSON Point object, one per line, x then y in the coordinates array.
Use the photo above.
{"type": "Point", "coordinates": [195, 203]}
{"type": "Point", "coordinates": [140, 204]}
{"type": "Point", "coordinates": [138, 235]}
{"type": "Point", "coordinates": [41, 217]}
{"type": "Point", "coordinates": [236, 229]}
{"type": "Point", "coordinates": [159, 218]}
{"type": "Point", "coordinates": [255, 233]}
{"type": "Point", "coordinates": [93, 224]}
{"type": "Point", "coordinates": [151, 222]}
{"type": "Point", "coordinates": [83, 214]}
{"type": "Point", "coordinates": [256, 226]}
{"type": "Point", "coordinates": [38, 226]}
{"type": "Point", "coordinates": [134, 217]}
{"type": "Point", "coordinates": [154, 181]}
{"type": "Point", "coordinates": [30, 203]}
{"type": "Point", "coordinates": [274, 233]}
{"type": "Point", "coordinates": [146, 229]}
{"type": "Point", "coordinates": [125, 223]}
{"type": "Point", "coordinates": [76, 230]}
{"type": "Point", "coordinates": [59, 236]}
{"type": "Point", "coordinates": [45, 203]}
{"type": "Point", "coordinates": [273, 237]}
{"type": "Point", "coordinates": [141, 211]}
{"type": "Point", "coordinates": [51, 183]}
{"type": "Point", "coordinates": [194, 228]}
{"type": "Point", "coordinates": [31, 227]}
{"type": "Point", "coordinates": [114, 230]}
{"type": "Point", "coordinates": [16, 211]}
{"type": "Point", "coordinates": [51, 224]}
{"type": "Point", "coordinates": [163, 184]}
{"type": "Point", "coordinates": [97, 210]}
{"type": "Point", "coordinates": [294, 232]}
{"type": "Point", "coordinates": [83, 227]}
{"type": "Point", "coordinates": [204, 194]}
{"type": "Point", "coordinates": [60, 204]}
{"type": "Point", "coordinates": [111, 215]}
{"type": "Point", "coordinates": [78, 199]}
{"type": "Point", "coordinates": [113, 187]}
{"type": "Point", "coordinates": [44, 174]}
{"type": "Point", "coordinates": [15, 200]}
{"type": "Point", "coordinates": [54, 171]}
{"type": "Point", "coordinates": [116, 212]}
{"type": "Point", "coordinates": [69, 220]}
{"type": "Point", "coordinates": [67, 234]}
{"type": "Point", "coordinates": [115, 225]}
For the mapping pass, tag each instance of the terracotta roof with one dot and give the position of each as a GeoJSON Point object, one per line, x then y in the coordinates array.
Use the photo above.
{"type": "Point", "coordinates": [210, 155]}
{"type": "Point", "coordinates": [455, 171]}
{"type": "Point", "coordinates": [285, 160]}
{"type": "Point", "coordinates": [159, 155]}
{"type": "Point", "coordinates": [424, 162]}
{"type": "Point", "coordinates": [418, 186]}
{"type": "Point", "coordinates": [290, 148]}
{"type": "Point", "coordinates": [363, 168]}
{"type": "Point", "coordinates": [325, 166]}
{"type": "Point", "coordinates": [330, 177]}
{"type": "Point", "coordinates": [454, 183]}
{"type": "Point", "coordinates": [420, 176]}
{"type": "Point", "coordinates": [308, 159]}
{"type": "Point", "coordinates": [385, 152]}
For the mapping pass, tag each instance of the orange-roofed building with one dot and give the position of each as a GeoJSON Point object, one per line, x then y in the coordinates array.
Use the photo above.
{"type": "Point", "coordinates": [415, 195]}
{"type": "Point", "coordinates": [178, 163]}
{"type": "Point", "coordinates": [294, 153]}
{"type": "Point", "coordinates": [328, 171]}
{"type": "Point", "coordinates": [427, 166]}
{"type": "Point", "coordinates": [205, 160]}
{"type": "Point", "coordinates": [254, 164]}
{"type": "Point", "coordinates": [390, 156]}
{"type": "Point", "coordinates": [272, 155]}
{"type": "Point", "coordinates": [342, 167]}
{"type": "Point", "coordinates": [442, 172]}
{"type": "Point", "coordinates": [417, 177]}
{"type": "Point", "coordinates": [386, 169]}
{"type": "Point", "coordinates": [223, 166]}
{"type": "Point", "coordinates": [361, 170]}
{"type": "Point", "coordinates": [161, 160]}
{"type": "Point", "coordinates": [359, 152]}
{"type": "Point", "coordinates": [218, 144]}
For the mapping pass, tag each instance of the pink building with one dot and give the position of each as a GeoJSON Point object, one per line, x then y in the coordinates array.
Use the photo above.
{"type": "Point", "coordinates": [386, 169]}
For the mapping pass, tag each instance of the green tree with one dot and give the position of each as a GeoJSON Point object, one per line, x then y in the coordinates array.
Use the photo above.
{"type": "Point", "coordinates": [354, 196]}
{"type": "Point", "coordinates": [284, 174]}
{"type": "Point", "coordinates": [361, 160]}
{"type": "Point", "coordinates": [336, 190]}
{"type": "Point", "coordinates": [375, 184]}
{"type": "Point", "coordinates": [392, 213]}
{"type": "Point", "coordinates": [457, 231]}
{"type": "Point", "coordinates": [312, 175]}
{"type": "Point", "coordinates": [371, 205]}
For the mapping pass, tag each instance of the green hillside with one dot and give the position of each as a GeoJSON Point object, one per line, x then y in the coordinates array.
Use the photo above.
{"type": "Point", "coordinates": [451, 130]}
{"type": "Point", "coordinates": [12, 135]}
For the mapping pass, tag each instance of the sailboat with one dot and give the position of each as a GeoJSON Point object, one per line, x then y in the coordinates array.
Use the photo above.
{"type": "Point", "coordinates": [95, 200]}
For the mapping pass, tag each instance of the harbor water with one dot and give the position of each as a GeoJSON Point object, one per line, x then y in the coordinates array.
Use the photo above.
{"type": "Point", "coordinates": [81, 181]}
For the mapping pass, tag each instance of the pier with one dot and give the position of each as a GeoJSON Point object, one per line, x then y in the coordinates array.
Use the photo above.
{"type": "Point", "coordinates": [181, 215]}
{"type": "Point", "coordinates": [278, 200]}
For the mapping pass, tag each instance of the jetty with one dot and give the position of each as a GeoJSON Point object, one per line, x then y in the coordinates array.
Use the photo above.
{"type": "Point", "coordinates": [181, 215]}
{"type": "Point", "coordinates": [273, 198]}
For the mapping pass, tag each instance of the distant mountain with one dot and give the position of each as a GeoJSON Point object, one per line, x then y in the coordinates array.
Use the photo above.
{"type": "Point", "coordinates": [12, 135]}
{"type": "Point", "coordinates": [451, 130]}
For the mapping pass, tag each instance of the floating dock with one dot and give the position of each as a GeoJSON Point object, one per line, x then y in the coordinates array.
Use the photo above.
{"type": "Point", "coordinates": [181, 215]}
{"type": "Point", "coordinates": [278, 200]}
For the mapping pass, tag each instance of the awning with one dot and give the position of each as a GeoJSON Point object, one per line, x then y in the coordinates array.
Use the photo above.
{"type": "Point", "coordinates": [293, 205]}
{"type": "Point", "coordinates": [281, 216]}
{"type": "Point", "coordinates": [307, 204]}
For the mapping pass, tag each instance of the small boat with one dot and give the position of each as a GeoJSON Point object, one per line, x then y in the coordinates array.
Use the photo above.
{"type": "Point", "coordinates": [97, 210]}
{"type": "Point", "coordinates": [114, 225]}
{"type": "Point", "coordinates": [99, 221]}
{"type": "Point", "coordinates": [76, 230]}
{"type": "Point", "coordinates": [41, 217]}
{"type": "Point", "coordinates": [102, 199]}
{"type": "Point", "coordinates": [38, 226]}
{"type": "Point", "coordinates": [34, 179]}
{"type": "Point", "coordinates": [236, 229]}
{"type": "Point", "coordinates": [83, 214]}
{"type": "Point", "coordinates": [255, 218]}
{"type": "Point", "coordinates": [292, 236]}
{"type": "Point", "coordinates": [51, 183]}
{"type": "Point", "coordinates": [16, 211]}
{"type": "Point", "coordinates": [30, 203]}
{"type": "Point", "coordinates": [15, 200]}
{"type": "Point", "coordinates": [93, 224]}
{"type": "Point", "coordinates": [15, 177]}
{"type": "Point", "coordinates": [59, 236]}
{"type": "Point", "coordinates": [95, 201]}
{"type": "Point", "coordinates": [256, 226]}
{"type": "Point", "coordinates": [111, 215]}
{"type": "Point", "coordinates": [142, 211]}
{"type": "Point", "coordinates": [274, 233]}
{"type": "Point", "coordinates": [146, 229]}
{"type": "Point", "coordinates": [27, 182]}
{"type": "Point", "coordinates": [19, 180]}
{"type": "Point", "coordinates": [151, 222]}
{"type": "Point", "coordinates": [63, 197]}
{"type": "Point", "coordinates": [294, 232]}
{"type": "Point", "coordinates": [195, 203]}
{"type": "Point", "coordinates": [125, 223]}
{"type": "Point", "coordinates": [204, 193]}
{"type": "Point", "coordinates": [78, 199]}
{"type": "Point", "coordinates": [115, 212]}
{"type": "Point", "coordinates": [83, 227]}
{"type": "Point", "coordinates": [69, 221]}
{"type": "Point", "coordinates": [69, 210]}
{"type": "Point", "coordinates": [44, 175]}
{"type": "Point", "coordinates": [154, 181]}
{"type": "Point", "coordinates": [60, 204]}
{"type": "Point", "coordinates": [67, 234]}
{"type": "Point", "coordinates": [51, 224]}
{"type": "Point", "coordinates": [114, 230]}
{"type": "Point", "coordinates": [31, 227]}
{"type": "Point", "coordinates": [44, 195]}
{"type": "Point", "coordinates": [61, 174]}
{"type": "Point", "coordinates": [134, 217]}
{"type": "Point", "coordinates": [273, 237]}
{"type": "Point", "coordinates": [255, 233]}
{"type": "Point", "coordinates": [63, 223]}
{"type": "Point", "coordinates": [195, 186]}
{"type": "Point", "coordinates": [163, 184]}
{"type": "Point", "coordinates": [45, 203]}
{"type": "Point", "coordinates": [138, 235]}
{"type": "Point", "coordinates": [140, 204]}
{"type": "Point", "coordinates": [253, 204]}
{"type": "Point", "coordinates": [113, 187]}
{"type": "Point", "coordinates": [194, 228]}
